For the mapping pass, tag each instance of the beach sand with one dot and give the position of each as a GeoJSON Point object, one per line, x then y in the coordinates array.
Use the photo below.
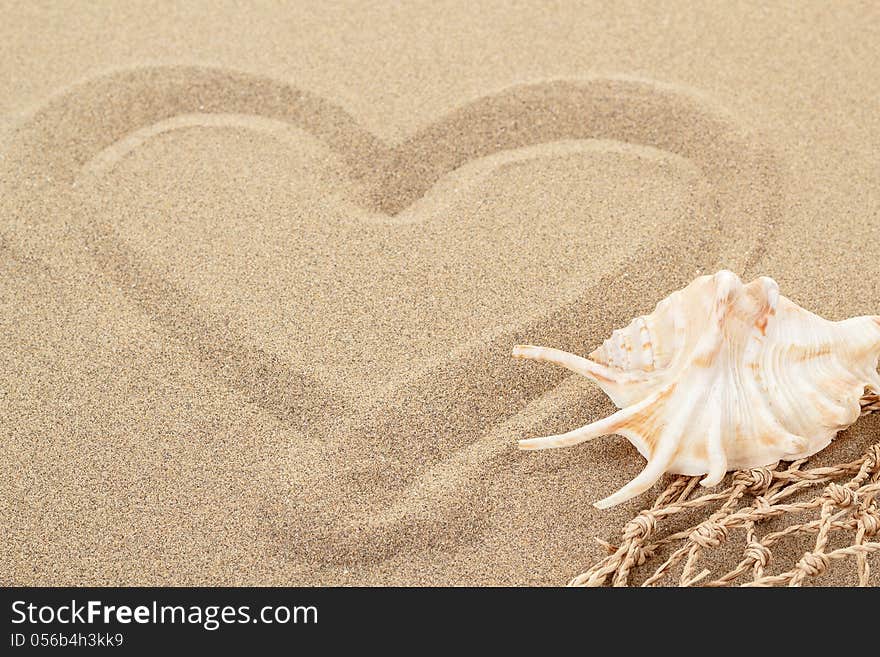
{"type": "Point", "coordinates": [261, 269]}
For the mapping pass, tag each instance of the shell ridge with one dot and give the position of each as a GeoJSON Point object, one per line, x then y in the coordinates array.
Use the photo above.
{"type": "Point", "coordinates": [722, 376]}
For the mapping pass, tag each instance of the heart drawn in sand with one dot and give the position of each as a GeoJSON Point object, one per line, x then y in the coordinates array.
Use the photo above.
{"type": "Point", "coordinates": [395, 204]}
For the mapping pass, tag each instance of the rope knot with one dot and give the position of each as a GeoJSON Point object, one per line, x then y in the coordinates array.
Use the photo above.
{"type": "Point", "coordinates": [841, 495]}
{"type": "Point", "coordinates": [813, 563]}
{"type": "Point", "coordinates": [709, 535]}
{"type": "Point", "coordinates": [641, 526]}
{"type": "Point", "coordinates": [870, 519]}
{"type": "Point", "coordinates": [755, 480]}
{"type": "Point", "coordinates": [759, 553]}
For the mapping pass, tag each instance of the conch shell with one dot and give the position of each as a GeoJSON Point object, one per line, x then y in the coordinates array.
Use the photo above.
{"type": "Point", "coordinates": [724, 376]}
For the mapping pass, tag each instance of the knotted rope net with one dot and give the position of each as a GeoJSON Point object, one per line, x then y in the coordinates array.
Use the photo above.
{"type": "Point", "coordinates": [842, 513]}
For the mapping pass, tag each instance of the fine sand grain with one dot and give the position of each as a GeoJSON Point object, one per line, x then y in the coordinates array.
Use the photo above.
{"type": "Point", "coordinates": [261, 271]}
